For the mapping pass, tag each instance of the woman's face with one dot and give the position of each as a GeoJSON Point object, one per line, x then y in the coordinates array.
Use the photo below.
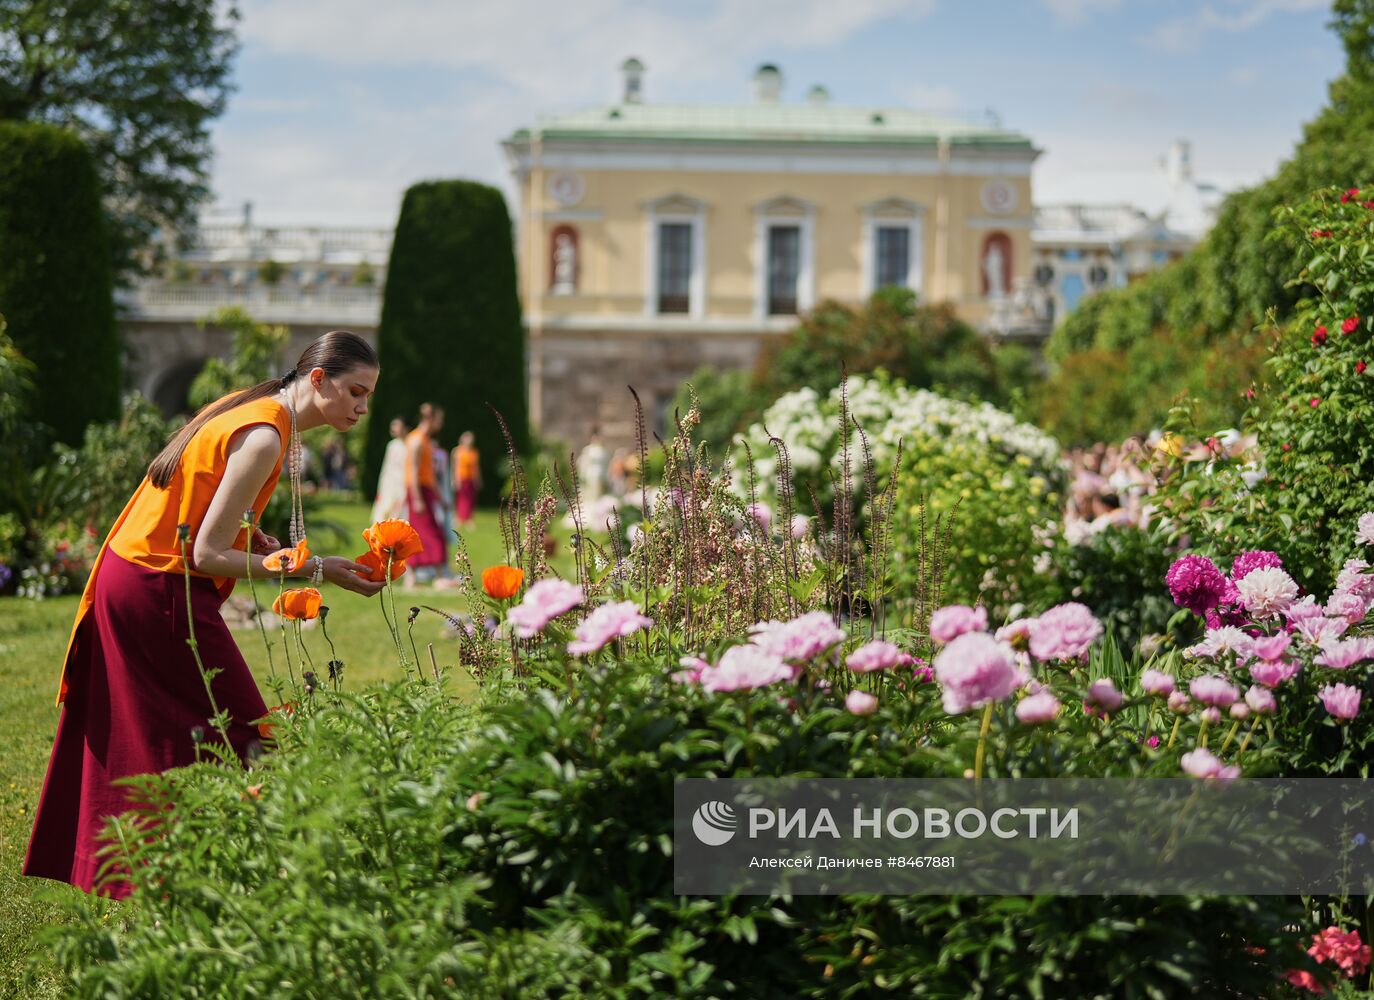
{"type": "Point", "coordinates": [343, 398]}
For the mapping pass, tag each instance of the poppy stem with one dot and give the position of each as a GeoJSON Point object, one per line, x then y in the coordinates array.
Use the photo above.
{"type": "Point", "coordinates": [393, 620]}
{"type": "Point", "coordinates": [281, 619]}
{"type": "Point", "coordinates": [253, 591]}
{"type": "Point", "coordinates": [217, 719]}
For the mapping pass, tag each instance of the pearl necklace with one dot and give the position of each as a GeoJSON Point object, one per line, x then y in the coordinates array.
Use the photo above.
{"type": "Point", "coordinates": [295, 462]}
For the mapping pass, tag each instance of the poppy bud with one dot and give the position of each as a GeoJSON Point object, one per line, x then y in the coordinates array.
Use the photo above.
{"type": "Point", "coordinates": [310, 684]}
{"type": "Point", "coordinates": [183, 532]}
{"type": "Point", "coordinates": [197, 734]}
{"type": "Point", "coordinates": [414, 613]}
{"type": "Point", "coordinates": [324, 611]}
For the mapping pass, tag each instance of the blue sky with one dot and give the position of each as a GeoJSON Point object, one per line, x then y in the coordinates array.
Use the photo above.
{"type": "Point", "coordinates": [341, 104]}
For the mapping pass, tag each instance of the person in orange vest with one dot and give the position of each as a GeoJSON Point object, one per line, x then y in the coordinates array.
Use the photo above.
{"type": "Point", "coordinates": [467, 478]}
{"type": "Point", "coordinates": [133, 698]}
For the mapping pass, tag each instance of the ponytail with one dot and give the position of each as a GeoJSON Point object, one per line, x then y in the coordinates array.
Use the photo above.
{"type": "Point", "coordinates": [336, 352]}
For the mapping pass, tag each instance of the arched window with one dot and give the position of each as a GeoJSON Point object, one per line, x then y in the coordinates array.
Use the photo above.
{"type": "Point", "coordinates": [995, 265]}
{"type": "Point", "coordinates": [564, 261]}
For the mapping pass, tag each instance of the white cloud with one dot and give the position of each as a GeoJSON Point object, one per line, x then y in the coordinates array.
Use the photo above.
{"type": "Point", "coordinates": [1185, 33]}
{"type": "Point", "coordinates": [1075, 12]}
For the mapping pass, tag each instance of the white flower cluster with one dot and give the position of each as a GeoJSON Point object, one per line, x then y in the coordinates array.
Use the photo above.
{"type": "Point", "coordinates": [888, 411]}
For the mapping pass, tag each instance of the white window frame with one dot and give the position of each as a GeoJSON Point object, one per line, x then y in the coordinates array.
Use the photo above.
{"type": "Point", "coordinates": [669, 209]}
{"type": "Point", "coordinates": [881, 215]}
{"type": "Point", "coordinates": [766, 216]}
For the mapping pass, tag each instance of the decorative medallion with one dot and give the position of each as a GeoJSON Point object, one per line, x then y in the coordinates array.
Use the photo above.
{"type": "Point", "coordinates": [998, 197]}
{"type": "Point", "coordinates": [566, 188]}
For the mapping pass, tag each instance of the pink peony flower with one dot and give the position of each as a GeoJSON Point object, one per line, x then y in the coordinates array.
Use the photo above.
{"type": "Point", "coordinates": [1261, 700]}
{"type": "Point", "coordinates": [1351, 607]}
{"type": "Point", "coordinates": [1195, 583]}
{"type": "Point", "coordinates": [1102, 693]}
{"type": "Point", "coordinates": [801, 525]}
{"type": "Point", "coordinates": [955, 620]}
{"type": "Point", "coordinates": [1320, 631]}
{"type": "Point", "coordinates": [1016, 632]}
{"type": "Point", "coordinates": [1240, 711]}
{"type": "Point", "coordinates": [973, 670]}
{"type": "Point", "coordinates": [1202, 763]}
{"type": "Point", "coordinates": [1364, 529]}
{"type": "Point", "coordinates": [1037, 708]}
{"type": "Point", "coordinates": [543, 602]}
{"type": "Point", "coordinates": [761, 514]}
{"type": "Point", "coordinates": [1271, 647]}
{"type": "Point", "coordinates": [803, 638]}
{"type": "Point", "coordinates": [1338, 654]}
{"type": "Point", "coordinates": [1267, 591]}
{"type": "Point", "coordinates": [610, 621]}
{"type": "Point", "coordinates": [1224, 641]}
{"type": "Point", "coordinates": [1179, 703]}
{"type": "Point", "coordinates": [876, 655]}
{"type": "Point", "coordinates": [921, 671]}
{"type": "Point", "coordinates": [1353, 579]}
{"type": "Point", "coordinates": [861, 703]}
{"type": "Point", "coordinates": [744, 668]}
{"type": "Point", "coordinates": [1064, 632]}
{"type": "Point", "coordinates": [1213, 690]}
{"type": "Point", "coordinates": [1272, 673]}
{"type": "Point", "coordinates": [1254, 559]}
{"type": "Point", "coordinates": [1343, 948]}
{"type": "Point", "coordinates": [1211, 715]}
{"type": "Point", "coordinates": [692, 669]}
{"type": "Point", "coordinates": [1156, 682]}
{"type": "Point", "coordinates": [1341, 700]}
{"type": "Point", "coordinates": [1303, 610]}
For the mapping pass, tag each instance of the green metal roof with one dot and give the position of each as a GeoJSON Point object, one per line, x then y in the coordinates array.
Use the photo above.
{"type": "Point", "coordinates": [761, 122]}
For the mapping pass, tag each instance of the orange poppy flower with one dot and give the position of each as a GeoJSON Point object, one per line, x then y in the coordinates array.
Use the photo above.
{"type": "Point", "coordinates": [377, 567]}
{"type": "Point", "coordinates": [296, 605]}
{"type": "Point", "coordinates": [502, 582]}
{"type": "Point", "coordinates": [393, 536]}
{"type": "Point", "coordinates": [287, 560]}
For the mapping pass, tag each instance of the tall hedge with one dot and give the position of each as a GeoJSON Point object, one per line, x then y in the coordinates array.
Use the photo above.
{"type": "Point", "coordinates": [451, 330]}
{"type": "Point", "coordinates": [1208, 304]}
{"type": "Point", "coordinates": [56, 284]}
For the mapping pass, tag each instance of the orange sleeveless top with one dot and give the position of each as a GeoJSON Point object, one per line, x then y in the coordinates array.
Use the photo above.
{"type": "Point", "coordinates": [467, 464]}
{"type": "Point", "coordinates": [426, 471]}
{"type": "Point", "coordinates": [146, 532]}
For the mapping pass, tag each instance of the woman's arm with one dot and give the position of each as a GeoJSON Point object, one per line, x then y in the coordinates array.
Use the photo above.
{"type": "Point", "coordinates": [252, 457]}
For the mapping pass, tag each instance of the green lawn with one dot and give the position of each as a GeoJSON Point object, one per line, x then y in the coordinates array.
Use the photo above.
{"type": "Point", "coordinates": [32, 638]}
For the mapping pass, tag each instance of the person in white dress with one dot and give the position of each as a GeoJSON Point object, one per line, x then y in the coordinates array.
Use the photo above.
{"type": "Point", "coordinates": [391, 483]}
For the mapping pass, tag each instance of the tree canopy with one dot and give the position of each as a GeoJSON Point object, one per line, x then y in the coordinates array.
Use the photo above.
{"type": "Point", "coordinates": [139, 81]}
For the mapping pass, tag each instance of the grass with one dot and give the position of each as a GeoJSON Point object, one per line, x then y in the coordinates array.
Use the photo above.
{"type": "Point", "coordinates": [33, 636]}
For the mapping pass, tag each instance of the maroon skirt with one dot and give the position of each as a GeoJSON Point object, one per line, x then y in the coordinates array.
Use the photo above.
{"type": "Point", "coordinates": [134, 695]}
{"type": "Point", "coordinates": [426, 525]}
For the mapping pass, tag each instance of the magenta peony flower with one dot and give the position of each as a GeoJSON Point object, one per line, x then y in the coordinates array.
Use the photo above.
{"type": "Point", "coordinates": [543, 602]}
{"type": "Point", "coordinates": [1266, 591]}
{"type": "Point", "coordinates": [610, 621]}
{"type": "Point", "coordinates": [744, 668]}
{"type": "Point", "coordinates": [1338, 654]}
{"type": "Point", "coordinates": [1202, 763]}
{"type": "Point", "coordinates": [861, 703]}
{"type": "Point", "coordinates": [1272, 673]}
{"type": "Point", "coordinates": [955, 620]}
{"type": "Point", "coordinates": [1102, 693]}
{"type": "Point", "coordinates": [921, 671]}
{"type": "Point", "coordinates": [1038, 708]}
{"type": "Point", "coordinates": [1195, 583]}
{"type": "Point", "coordinates": [1261, 700]}
{"type": "Point", "coordinates": [973, 670]}
{"type": "Point", "coordinates": [1064, 632]}
{"type": "Point", "coordinates": [802, 638]}
{"type": "Point", "coordinates": [1156, 682]}
{"type": "Point", "coordinates": [1213, 690]}
{"type": "Point", "coordinates": [876, 655]}
{"type": "Point", "coordinates": [1271, 647]}
{"type": "Point", "coordinates": [1252, 560]}
{"type": "Point", "coordinates": [1341, 700]}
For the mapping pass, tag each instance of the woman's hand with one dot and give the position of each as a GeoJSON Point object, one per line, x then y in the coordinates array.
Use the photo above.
{"type": "Point", "coordinates": [263, 543]}
{"type": "Point", "coordinates": [345, 573]}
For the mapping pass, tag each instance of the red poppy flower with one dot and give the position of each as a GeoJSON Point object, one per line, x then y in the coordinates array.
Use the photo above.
{"type": "Point", "coordinates": [287, 560]}
{"type": "Point", "coordinates": [1319, 336]}
{"type": "Point", "coordinates": [376, 566]}
{"type": "Point", "coordinates": [393, 537]}
{"type": "Point", "coordinates": [1360, 366]}
{"type": "Point", "coordinates": [502, 582]}
{"type": "Point", "coordinates": [1350, 195]}
{"type": "Point", "coordinates": [1350, 324]}
{"type": "Point", "coordinates": [1318, 234]}
{"type": "Point", "coordinates": [298, 605]}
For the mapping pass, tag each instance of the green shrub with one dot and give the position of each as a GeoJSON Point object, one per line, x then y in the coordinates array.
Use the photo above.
{"type": "Point", "coordinates": [56, 284]}
{"type": "Point", "coordinates": [1118, 572]}
{"type": "Point", "coordinates": [451, 331]}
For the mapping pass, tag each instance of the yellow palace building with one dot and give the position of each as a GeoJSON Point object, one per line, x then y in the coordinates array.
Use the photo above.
{"type": "Point", "coordinates": [657, 239]}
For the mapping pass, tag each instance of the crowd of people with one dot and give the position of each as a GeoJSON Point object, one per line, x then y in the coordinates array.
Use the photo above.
{"type": "Point", "coordinates": [432, 488]}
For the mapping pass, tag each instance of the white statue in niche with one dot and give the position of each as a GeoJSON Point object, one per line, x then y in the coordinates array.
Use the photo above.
{"type": "Point", "coordinates": [564, 265]}
{"type": "Point", "coordinates": [995, 270]}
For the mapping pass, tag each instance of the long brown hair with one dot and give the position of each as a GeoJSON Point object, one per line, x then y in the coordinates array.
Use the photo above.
{"type": "Point", "coordinates": [336, 352]}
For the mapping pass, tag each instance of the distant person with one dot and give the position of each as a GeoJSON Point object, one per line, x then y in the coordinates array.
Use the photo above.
{"type": "Point", "coordinates": [391, 482]}
{"type": "Point", "coordinates": [618, 471]}
{"type": "Point", "coordinates": [134, 699]}
{"type": "Point", "coordinates": [593, 464]}
{"type": "Point", "coordinates": [424, 508]}
{"type": "Point", "coordinates": [467, 478]}
{"type": "Point", "coordinates": [443, 481]}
